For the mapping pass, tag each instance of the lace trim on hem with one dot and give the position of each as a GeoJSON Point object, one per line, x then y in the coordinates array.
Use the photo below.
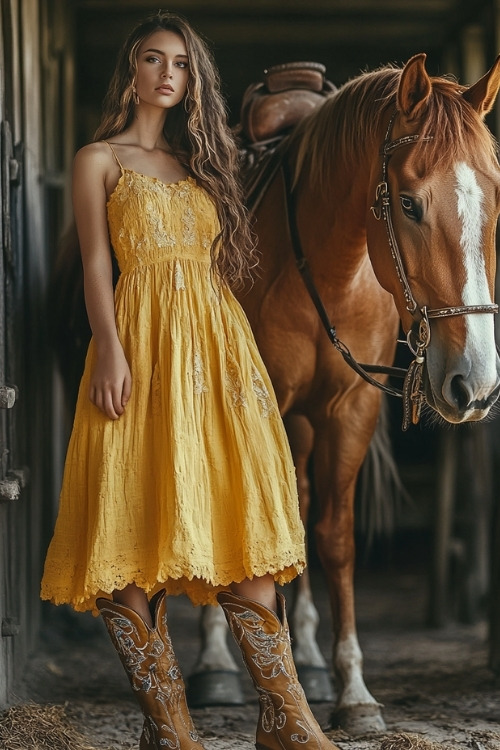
{"type": "Point", "coordinates": [199, 587]}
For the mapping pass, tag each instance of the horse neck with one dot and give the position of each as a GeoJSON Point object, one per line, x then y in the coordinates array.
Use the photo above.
{"type": "Point", "coordinates": [331, 214]}
{"type": "Point", "coordinates": [337, 150]}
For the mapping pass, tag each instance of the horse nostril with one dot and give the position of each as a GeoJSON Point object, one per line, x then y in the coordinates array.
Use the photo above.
{"type": "Point", "coordinates": [460, 393]}
{"type": "Point", "coordinates": [461, 396]}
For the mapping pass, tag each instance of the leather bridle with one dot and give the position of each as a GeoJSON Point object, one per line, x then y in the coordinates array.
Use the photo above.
{"type": "Point", "coordinates": [419, 335]}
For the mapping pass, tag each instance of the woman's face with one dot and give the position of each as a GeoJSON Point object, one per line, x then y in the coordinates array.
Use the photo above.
{"type": "Point", "coordinates": [162, 69]}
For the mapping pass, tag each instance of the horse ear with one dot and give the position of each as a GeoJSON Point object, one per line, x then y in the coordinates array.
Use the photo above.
{"type": "Point", "coordinates": [414, 87]}
{"type": "Point", "coordinates": [482, 94]}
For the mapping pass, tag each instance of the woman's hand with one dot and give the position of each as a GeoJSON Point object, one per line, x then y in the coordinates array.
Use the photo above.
{"type": "Point", "coordinates": [111, 382]}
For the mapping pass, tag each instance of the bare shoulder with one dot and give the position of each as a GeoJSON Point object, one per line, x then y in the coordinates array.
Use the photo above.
{"type": "Point", "coordinates": [94, 167]}
{"type": "Point", "coordinates": [97, 156]}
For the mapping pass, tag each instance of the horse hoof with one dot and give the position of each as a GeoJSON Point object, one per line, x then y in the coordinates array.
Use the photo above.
{"type": "Point", "coordinates": [215, 688]}
{"type": "Point", "coordinates": [316, 683]}
{"type": "Point", "coordinates": [362, 718]}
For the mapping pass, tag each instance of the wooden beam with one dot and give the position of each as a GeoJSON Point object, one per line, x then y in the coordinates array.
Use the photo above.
{"type": "Point", "coordinates": [257, 7]}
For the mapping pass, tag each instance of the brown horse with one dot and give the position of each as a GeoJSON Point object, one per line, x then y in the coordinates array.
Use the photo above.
{"type": "Point", "coordinates": [396, 195]}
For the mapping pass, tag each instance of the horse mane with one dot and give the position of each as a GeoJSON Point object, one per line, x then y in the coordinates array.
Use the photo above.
{"type": "Point", "coordinates": [349, 122]}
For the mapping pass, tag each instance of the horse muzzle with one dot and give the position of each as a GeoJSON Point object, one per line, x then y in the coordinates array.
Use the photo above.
{"type": "Point", "coordinates": [461, 391]}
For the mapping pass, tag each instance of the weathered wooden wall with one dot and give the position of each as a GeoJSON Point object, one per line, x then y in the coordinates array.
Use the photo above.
{"type": "Point", "coordinates": [34, 126]}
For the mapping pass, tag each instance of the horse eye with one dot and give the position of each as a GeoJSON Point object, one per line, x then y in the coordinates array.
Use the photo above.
{"type": "Point", "coordinates": [410, 208]}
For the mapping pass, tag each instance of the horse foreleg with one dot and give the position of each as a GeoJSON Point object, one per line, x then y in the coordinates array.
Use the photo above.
{"type": "Point", "coordinates": [339, 450]}
{"type": "Point", "coordinates": [312, 669]}
{"type": "Point", "coordinates": [215, 679]}
{"type": "Point", "coordinates": [304, 619]}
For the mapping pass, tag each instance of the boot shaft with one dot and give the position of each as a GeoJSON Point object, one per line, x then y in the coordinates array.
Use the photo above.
{"type": "Point", "coordinates": [286, 721]}
{"type": "Point", "coordinates": [151, 666]}
{"type": "Point", "coordinates": [262, 635]}
{"type": "Point", "coordinates": [138, 646]}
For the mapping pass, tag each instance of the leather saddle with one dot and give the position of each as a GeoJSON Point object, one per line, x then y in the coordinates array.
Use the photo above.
{"type": "Point", "coordinates": [269, 111]}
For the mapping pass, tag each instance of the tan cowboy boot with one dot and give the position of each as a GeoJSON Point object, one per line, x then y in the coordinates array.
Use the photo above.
{"type": "Point", "coordinates": [149, 661]}
{"type": "Point", "coordinates": [286, 722]}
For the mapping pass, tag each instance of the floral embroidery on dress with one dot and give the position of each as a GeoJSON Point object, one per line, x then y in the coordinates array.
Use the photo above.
{"type": "Point", "coordinates": [265, 402]}
{"type": "Point", "coordinates": [183, 188]}
{"type": "Point", "coordinates": [234, 385]}
{"type": "Point", "coordinates": [179, 282]}
{"type": "Point", "coordinates": [159, 234]}
{"type": "Point", "coordinates": [188, 222]}
{"type": "Point", "coordinates": [199, 374]}
{"type": "Point", "coordinates": [158, 186]}
{"type": "Point", "coordinates": [131, 185]}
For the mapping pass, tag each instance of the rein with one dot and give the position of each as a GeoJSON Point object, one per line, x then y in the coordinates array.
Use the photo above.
{"type": "Point", "coordinates": [411, 392]}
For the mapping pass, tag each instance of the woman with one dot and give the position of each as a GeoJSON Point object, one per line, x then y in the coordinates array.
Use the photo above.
{"type": "Point", "coordinates": [178, 477]}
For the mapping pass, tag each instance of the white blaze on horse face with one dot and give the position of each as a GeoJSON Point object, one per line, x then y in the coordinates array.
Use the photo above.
{"type": "Point", "coordinates": [479, 344]}
{"type": "Point", "coordinates": [469, 200]}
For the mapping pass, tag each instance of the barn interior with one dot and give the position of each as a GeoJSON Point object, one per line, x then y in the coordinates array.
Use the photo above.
{"type": "Point", "coordinates": [346, 36]}
{"type": "Point", "coordinates": [56, 58]}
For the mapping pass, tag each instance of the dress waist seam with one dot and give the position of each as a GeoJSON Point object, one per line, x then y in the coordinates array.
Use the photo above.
{"type": "Point", "coordinates": [163, 261]}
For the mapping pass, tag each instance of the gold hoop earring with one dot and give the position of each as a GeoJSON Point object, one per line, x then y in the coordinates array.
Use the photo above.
{"type": "Point", "coordinates": [135, 95]}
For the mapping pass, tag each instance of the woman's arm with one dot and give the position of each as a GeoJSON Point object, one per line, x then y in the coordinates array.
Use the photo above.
{"type": "Point", "coordinates": [111, 381]}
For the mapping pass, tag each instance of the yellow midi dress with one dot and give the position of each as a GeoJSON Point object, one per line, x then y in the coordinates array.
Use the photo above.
{"type": "Point", "coordinates": [193, 487]}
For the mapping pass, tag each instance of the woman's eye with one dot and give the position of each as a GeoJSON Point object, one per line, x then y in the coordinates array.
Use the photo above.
{"type": "Point", "coordinates": [181, 64]}
{"type": "Point", "coordinates": [411, 209]}
{"type": "Point", "coordinates": [152, 59]}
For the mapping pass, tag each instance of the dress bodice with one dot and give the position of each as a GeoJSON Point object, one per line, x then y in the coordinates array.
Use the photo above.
{"type": "Point", "coordinates": [151, 221]}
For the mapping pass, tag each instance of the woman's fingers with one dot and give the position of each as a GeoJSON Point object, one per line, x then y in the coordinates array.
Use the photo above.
{"type": "Point", "coordinates": [108, 400]}
{"type": "Point", "coordinates": [111, 384]}
{"type": "Point", "coordinates": [127, 389]}
{"type": "Point", "coordinates": [111, 404]}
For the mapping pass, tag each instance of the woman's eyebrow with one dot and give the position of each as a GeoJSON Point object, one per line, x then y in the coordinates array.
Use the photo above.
{"type": "Point", "coordinates": [160, 52]}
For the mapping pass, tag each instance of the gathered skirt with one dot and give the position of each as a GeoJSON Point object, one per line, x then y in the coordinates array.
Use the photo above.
{"type": "Point", "coordinates": [193, 487]}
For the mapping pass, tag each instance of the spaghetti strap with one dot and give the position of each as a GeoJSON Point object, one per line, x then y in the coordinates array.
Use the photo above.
{"type": "Point", "coordinates": [116, 157]}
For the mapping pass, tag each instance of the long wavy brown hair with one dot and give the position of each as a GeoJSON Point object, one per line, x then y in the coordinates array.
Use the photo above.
{"type": "Point", "coordinates": [197, 132]}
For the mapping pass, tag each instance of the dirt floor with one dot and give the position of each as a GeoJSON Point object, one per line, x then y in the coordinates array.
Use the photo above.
{"type": "Point", "coordinates": [434, 684]}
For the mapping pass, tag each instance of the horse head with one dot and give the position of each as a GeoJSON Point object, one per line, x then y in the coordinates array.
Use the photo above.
{"type": "Point", "coordinates": [434, 205]}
